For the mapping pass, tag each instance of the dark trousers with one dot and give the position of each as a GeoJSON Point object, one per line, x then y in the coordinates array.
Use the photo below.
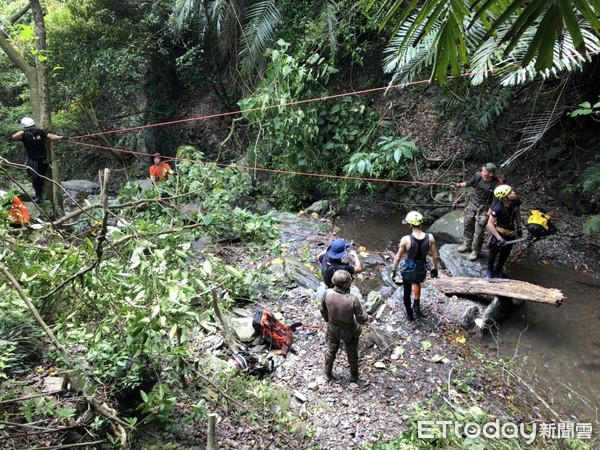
{"type": "Point", "coordinates": [334, 336]}
{"type": "Point", "coordinates": [496, 251]}
{"type": "Point", "coordinates": [37, 169]}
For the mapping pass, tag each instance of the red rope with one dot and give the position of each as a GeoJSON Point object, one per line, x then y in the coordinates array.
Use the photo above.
{"type": "Point", "coordinates": [261, 169]}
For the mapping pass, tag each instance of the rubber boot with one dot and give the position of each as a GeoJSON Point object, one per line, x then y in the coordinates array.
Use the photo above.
{"type": "Point", "coordinates": [328, 370]}
{"type": "Point", "coordinates": [409, 314]}
{"type": "Point", "coordinates": [417, 309]}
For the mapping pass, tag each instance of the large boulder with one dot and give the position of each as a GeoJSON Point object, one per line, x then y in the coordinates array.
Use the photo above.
{"type": "Point", "coordinates": [295, 228]}
{"type": "Point", "coordinates": [459, 266]}
{"type": "Point", "coordinates": [449, 228]}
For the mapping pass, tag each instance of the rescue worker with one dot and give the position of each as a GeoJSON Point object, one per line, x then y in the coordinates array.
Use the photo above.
{"type": "Point", "coordinates": [36, 154]}
{"type": "Point", "coordinates": [478, 208]}
{"type": "Point", "coordinates": [505, 225]}
{"type": "Point", "coordinates": [15, 212]}
{"type": "Point", "coordinates": [160, 170]}
{"type": "Point", "coordinates": [344, 315]}
{"type": "Point", "coordinates": [417, 246]}
{"type": "Point", "coordinates": [331, 260]}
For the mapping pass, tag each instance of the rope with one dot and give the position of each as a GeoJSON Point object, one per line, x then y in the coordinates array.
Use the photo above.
{"type": "Point", "coordinates": [261, 169]}
{"type": "Point", "coordinates": [301, 102]}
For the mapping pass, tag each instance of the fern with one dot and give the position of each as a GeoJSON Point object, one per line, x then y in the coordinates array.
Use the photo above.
{"type": "Point", "coordinates": [592, 225]}
{"type": "Point", "coordinates": [591, 180]}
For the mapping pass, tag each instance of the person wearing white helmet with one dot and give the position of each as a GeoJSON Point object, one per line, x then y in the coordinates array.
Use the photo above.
{"type": "Point", "coordinates": [504, 224]}
{"type": "Point", "coordinates": [417, 246]}
{"type": "Point", "coordinates": [36, 154]}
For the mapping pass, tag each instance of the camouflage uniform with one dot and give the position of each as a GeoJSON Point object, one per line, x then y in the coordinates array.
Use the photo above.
{"type": "Point", "coordinates": [475, 213]}
{"type": "Point", "coordinates": [343, 314]}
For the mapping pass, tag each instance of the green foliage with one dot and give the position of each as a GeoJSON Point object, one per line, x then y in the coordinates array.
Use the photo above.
{"type": "Point", "coordinates": [315, 138]}
{"type": "Point", "coordinates": [543, 37]}
{"type": "Point", "coordinates": [158, 404]}
{"type": "Point", "coordinates": [587, 109]}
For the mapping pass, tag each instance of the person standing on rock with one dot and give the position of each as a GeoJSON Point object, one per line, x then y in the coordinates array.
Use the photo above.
{"type": "Point", "coordinates": [504, 224]}
{"type": "Point", "coordinates": [160, 170]}
{"type": "Point", "coordinates": [344, 316]}
{"type": "Point", "coordinates": [331, 260]}
{"type": "Point", "coordinates": [417, 246]}
{"type": "Point", "coordinates": [36, 154]}
{"type": "Point", "coordinates": [478, 208]}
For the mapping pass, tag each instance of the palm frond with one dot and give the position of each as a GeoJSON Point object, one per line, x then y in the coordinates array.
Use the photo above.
{"type": "Point", "coordinates": [261, 19]}
{"type": "Point", "coordinates": [406, 62]}
{"type": "Point", "coordinates": [546, 110]}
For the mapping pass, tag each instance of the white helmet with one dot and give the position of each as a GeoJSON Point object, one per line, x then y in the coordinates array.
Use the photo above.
{"type": "Point", "coordinates": [27, 122]}
{"type": "Point", "coordinates": [414, 218]}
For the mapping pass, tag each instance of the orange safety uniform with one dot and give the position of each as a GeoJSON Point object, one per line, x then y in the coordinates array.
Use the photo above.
{"type": "Point", "coordinates": [17, 215]}
{"type": "Point", "coordinates": [160, 171]}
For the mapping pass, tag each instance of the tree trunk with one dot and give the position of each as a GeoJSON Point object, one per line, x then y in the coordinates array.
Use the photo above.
{"type": "Point", "coordinates": [499, 287]}
{"type": "Point", "coordinates": [37, 79]}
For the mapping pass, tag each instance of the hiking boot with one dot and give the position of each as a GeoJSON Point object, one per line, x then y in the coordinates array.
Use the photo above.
{"type": "Point", "coordinates": [328, 375]}
{"type": "Point", "coordinates": [499, 274]}
{"type": "Point", "coordinates": [489, 274]}
{"type": "Point", "coordinates": [353, 378]}
{"type": "Point", "coordinates": [463, 248]}
{"type": "Point", "coordinates": [473, 256]}
{"type": "Point", "coordinates": [37, 199]}
{"type": "Point", "coordinates": [417, 310]}
{"type": "Point", "coordinates": [409, 314]}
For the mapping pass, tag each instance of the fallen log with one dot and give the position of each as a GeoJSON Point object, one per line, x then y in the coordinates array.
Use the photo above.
{"type": "Point", "coordinates": [498, 287]}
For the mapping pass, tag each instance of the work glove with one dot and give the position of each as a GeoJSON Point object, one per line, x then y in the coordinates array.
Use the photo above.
{"type": "Point", "coordinates": [393, 274]}
{"type": "Point", "coordinates": [520, 232]}
{"type": "Point", "coordinates": [65, 138]}
{"type": "Point", "coordinates": [434, 273]}
{"type": "Point", "coordinates": [501, 242]}
{"type": "Point", "coordinates": [454, 185]}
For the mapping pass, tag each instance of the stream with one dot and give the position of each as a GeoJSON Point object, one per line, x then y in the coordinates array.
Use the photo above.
{"type": "Point", "coordinates": [558, 349]}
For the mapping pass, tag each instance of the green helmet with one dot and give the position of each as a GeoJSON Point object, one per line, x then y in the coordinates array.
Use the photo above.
{"type": "Point", "coordinates": [502, 191]}
{"type": "Point", "coordinates": [414, 218]}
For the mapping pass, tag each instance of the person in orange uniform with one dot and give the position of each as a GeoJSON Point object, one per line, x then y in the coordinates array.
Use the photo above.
{"type": "Point", "coordinates": [160, 170]}
{"type": "Point", "coordinates": [14, 212]}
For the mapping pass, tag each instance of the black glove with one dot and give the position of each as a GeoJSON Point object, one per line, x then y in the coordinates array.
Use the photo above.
{"type": "Point", "coordinates": [393, 274]}
{"type": "Point", "coordinates": [65, 138]}
{"type": "Point", "coordinates": [434, 273]}
{"type": "Point", "coordinates": [519, 232]}
{"type": "Point", "coordinates": [501, 242]}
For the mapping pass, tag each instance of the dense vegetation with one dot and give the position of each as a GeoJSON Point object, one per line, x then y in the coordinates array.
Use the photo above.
{"type": "Point", "coordinates": [122, 284]}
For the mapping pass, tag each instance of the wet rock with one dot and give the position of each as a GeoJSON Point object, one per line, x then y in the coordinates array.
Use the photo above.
{"type": "Point", "coordinates": [449, 227]}
{"type": "Point", "coordinates": [467, 321]}
{"type": "Point", "coordinates": [374, 301]}
{"type": "Point", "coordinates": [295, 228]}
{"type": "Point", "coordinates": [298, 272]}
{"type": "Point", "coordinates": [459, 266]}
{"type": "Point", "coordinates": [320, 207]}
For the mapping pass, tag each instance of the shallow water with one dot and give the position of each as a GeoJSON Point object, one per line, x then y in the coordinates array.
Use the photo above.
{"type": "Point", "coordinates": [558, 348]}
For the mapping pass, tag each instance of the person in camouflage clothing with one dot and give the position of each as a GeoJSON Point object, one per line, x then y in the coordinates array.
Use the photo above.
{"type": "Point", "coordinates": [344, 315]}
{"type": "Point", "coordinates": [478, 208]}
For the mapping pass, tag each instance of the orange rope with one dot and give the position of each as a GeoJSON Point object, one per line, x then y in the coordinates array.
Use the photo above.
{"type": "Point", "coordinates": [288, 172]}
